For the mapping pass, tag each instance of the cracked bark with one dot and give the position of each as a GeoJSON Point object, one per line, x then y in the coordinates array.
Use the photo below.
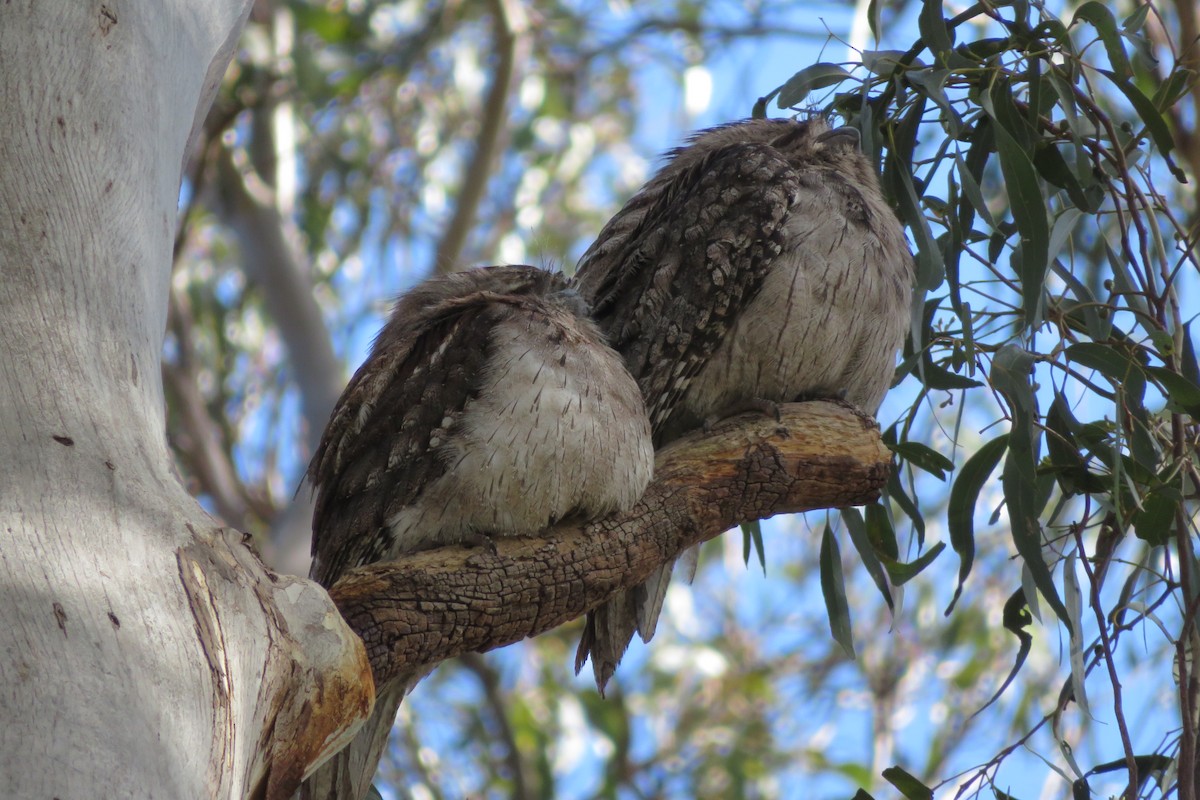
{"type": "Point", "coordinates": [431, 606]}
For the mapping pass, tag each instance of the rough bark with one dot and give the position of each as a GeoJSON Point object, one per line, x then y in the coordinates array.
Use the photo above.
{"type": "Point", "coordinates": [144, 648]}
{"type": "Point", "coordinates": [434, 605]}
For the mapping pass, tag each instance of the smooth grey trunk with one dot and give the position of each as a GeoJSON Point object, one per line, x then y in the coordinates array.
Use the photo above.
{"type": "Point", "coordinates": [144, 650]}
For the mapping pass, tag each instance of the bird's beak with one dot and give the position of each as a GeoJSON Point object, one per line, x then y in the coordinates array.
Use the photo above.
{"type": "Point", "coordinates": [842, 135]}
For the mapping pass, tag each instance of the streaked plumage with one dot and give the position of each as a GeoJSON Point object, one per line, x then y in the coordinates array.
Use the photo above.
{"type": "Point", "coordinates": [760, 264]}
{"type": "Point", "coordinates": [489, 406]}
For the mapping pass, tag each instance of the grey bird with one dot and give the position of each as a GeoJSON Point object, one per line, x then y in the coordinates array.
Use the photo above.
{"type": "Point", "coordinates": [760, 265]}
{"type": "Point", "coordinates": [489, 405]}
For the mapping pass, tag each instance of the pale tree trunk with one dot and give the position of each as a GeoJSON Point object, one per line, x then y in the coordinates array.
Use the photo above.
{"type": "Point", "coordinates": [145, 652]}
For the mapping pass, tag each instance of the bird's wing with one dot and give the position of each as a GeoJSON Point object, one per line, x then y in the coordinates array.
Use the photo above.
{"type": "Point", "coordinates": [670, 272]}
{"type": "Point", "coordinates": [665, 280]}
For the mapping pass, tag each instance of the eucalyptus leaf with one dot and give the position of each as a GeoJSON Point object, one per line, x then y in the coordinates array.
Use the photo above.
{"type": "Point", "coordinates": [811, 78]}
{"type": "Point", "coordinates": [908, 785]}
{"type": "Point", "coordinates": [964, 496]}
{"type": "Point", "coordinates": [834, 588]}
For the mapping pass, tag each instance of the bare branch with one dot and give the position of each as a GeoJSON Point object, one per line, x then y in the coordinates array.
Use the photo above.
{"type": "Point", "coordinates": [208, 455]}
{"type": "Point", "coordinates": [275, 265]}
{"type": "Point", "coordinates": [489, 679]}
{"type": "Point", "coordinates": [512, 47]}
{"type": "Point", "coordinates": [434, 605]}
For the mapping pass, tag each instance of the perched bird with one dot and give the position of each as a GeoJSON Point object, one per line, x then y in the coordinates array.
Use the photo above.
{"type": "Point", "coordinates": [760, 265]}
{"type": "Point", "coordinates": [488, 406]}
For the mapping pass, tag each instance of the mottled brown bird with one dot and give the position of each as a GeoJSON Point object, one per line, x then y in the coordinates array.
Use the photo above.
{"type": "Point", "coordinates": [488, 406]}
{"type": "Point", "coordinates": [760, 265]}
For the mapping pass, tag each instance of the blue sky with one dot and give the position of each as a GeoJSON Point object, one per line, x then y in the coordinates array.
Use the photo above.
{"type": "Point", "coordinates": [740, 74]}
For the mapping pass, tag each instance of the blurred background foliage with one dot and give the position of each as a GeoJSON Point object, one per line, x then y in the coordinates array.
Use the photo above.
{"type": "Point", "coordinates": [1043, 159]}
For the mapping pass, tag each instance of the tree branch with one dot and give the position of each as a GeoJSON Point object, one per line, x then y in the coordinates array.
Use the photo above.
{"type": "Point", "coordinates": [512, 44]}
{"type": "Point", "coordinates": [434, 605]}
{"type": "Point", "coordinates": [205, 451]}
{"type": "Point", "coordinates": [277, 267]}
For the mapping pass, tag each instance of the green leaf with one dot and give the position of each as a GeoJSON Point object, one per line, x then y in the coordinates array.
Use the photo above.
{"type": "Point", "coordinates": [752, 537]}
{"type": "Point", "coordinates": [834, 588]}
{"type": "Point", "coordinates": [923, 456]}
{"type": "Point", "coordinates": [1012, 368]}
{"type": "Point", "coordinates": [1150, 116]}
{"type": "Point", "coordinates": [858, 537]}
{"type": "Point", "coordinates": [1188, 366]}
{"type": "Point", "coordinates": [1083, 316]}
{"type": "Point", "coordinates": [1066, 461]}
{"type": "Point", "coordinates": [931, 83]}
{"type": "Point", "coordinates": [1016, 619]}
{"type": "Point", "coordinates": [1174, 87]}
{"type": "Point", "coordinates": [934, 31]}
{"type": "Point", "coordinates": [895, 492]}
{"type": "Point", "coordinates": [1011, 372]}
{"type": "Point", "coordinates": [908, 785]}
{"type": "Point", "coordinates": [1106, 26]}
{"type": "Point", "coordinates": [880, 532]}
{"type": "Point", "coordinates": [960, 514]}
{"type": "Point", "coordinates": [898, 178]}
{"type": "Point", "coordinates": [901, 573]}
{"type": "Point", "coordinates": [981, 50]}
{"type": "Point", "coordinates": [886, 62]}
{"type": "Point", "coordinates": [929, 373]}
{"type": "Point", "coordinates": [1134, 22]}
{"type": "Point", "coordinates": [1155, 762]}
{"type": "Point", "coordinates": [1141, 442]}
{"type": "Point", "coordinates": [1025, 199]}
{"type": "Point", "coordinates": [1074, 601]}
{"type": "Point", "coordinates": [816, 76]}
{"type": "Point", "coordinates": [1154, 522]}
{"type": "Point", "coordinates": [1108, 360]}
{"type": "Point", "coordinates": [1182, 395]}
{"type": "Point", "coordinates": [1054, 168]}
